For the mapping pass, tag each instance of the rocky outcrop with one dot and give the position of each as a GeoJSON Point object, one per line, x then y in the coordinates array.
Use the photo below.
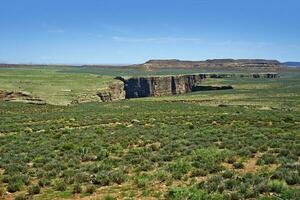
{"type": "Point", "coordinates": [166, 85]}
{"type": "Point", "coordinates": [160, 86]}
{"type": "Point", "coordinates": [114, 92]}
{"type": "Point", "coordinates": [20, 96]}
{"type": "Point", "coordinates": [181, 84]}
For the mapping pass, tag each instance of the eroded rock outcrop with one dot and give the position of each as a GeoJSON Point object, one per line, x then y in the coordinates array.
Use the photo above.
{"type": "Point", "coordinates": [160, 86]}
{"type": "Point", "coordinates": [181, 84]}
{"type": "Point", "coordinates": [138, 87]}
{"type": "Point", "coordinates": [114, 92]}
{"type": "Point", "coordinates": [20, 96]}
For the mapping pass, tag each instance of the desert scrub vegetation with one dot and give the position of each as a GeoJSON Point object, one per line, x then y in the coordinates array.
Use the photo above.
{"type": "Point", "coordinates": [157, 148]}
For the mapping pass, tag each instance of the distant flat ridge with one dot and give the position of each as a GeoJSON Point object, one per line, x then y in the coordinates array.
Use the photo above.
{"type": "Point", "coordinates": [212, 63]}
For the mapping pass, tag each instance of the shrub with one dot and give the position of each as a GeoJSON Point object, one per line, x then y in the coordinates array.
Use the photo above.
{"type": "Point", "coordinates": [141, 181]}
{"type": "Point", "coordinates": [192, 193]}
{"type": "Point", "coordinates": [235, 196]}
{"type": "Point", "coordinates": [276, 186]}
{"type": "Point", "coordinates": [34, 189]}
{"type": "Point", "coordinates": [109, 198]}
{"type": "Point", "coordinates": [238, 165]}
{"type": "Point", "coordinates": [162, 176]}
{"type": "Point", "coordinates": [280, 173]}
{"type": "Point", "coordinates": [292, 178]}
{"type": "Point", "coordinates": [90, 189]}
{"type": "Point", "coordinates": [179, 168]}
{"type": "Point", "coordinates": [2, 192]}
{"type": "Point", "coordinates": [231, 160]}
{"type": "Point", "coordinates": [230, 184]}
{"type": "Point", "coordinates": [60, 186]}
{"type": "Point", "coordinates": [76, 189]}
{"type": "Point", "coordinates": [118, 176]}
{"type": "Point", "coordinates": [198, 172]}
{"type": "Point", "coordinates": [14, 186]}
{"type": "Point", "coordinates": [81, 177]}
{"type": "Point", "coordinates": [212, 184]}
{"type": "Point", "coordinates": [21, 197]}
{"type": "Point", "coordinates": [102, 178]}
{"type": "Point", "coordinates": [263, 188]}
{"type": "Point", "coordinates": [227, 174]}
{"type": "Point", "coordinates": [44, 182]}
{"type": "Point", "coordinates": [209, 159]}
{"type": "Point", "coordinates": [267, 159]}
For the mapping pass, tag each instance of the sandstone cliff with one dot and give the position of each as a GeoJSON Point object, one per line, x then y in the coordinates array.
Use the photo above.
{"type": "Point", "coordinates": [166, 85]}
{"type": "Point", "coordinates": [161, 85]}
{"type": "Point", "coordinates": [115, 91]}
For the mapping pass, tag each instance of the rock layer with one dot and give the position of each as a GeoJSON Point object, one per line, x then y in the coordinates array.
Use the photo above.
{"type": "Point", "coordinates": [114, 92]}
{"type": "Point", "coordinates": [172, 85]}
{"type": "Point", "coordinates": [20, 96]}
{"type": "Point", "coordinates": [166, 85]}
{"type": "Point", "coordinates": [160, 86]}
{"type": "Point", "coordinates": [214, 63]}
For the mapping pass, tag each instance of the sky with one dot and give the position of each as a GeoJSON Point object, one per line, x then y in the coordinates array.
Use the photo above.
{"type": "Point", "coordinates": [134, 31]}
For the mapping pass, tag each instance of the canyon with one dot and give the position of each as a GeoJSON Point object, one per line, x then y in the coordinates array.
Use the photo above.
{"type": "Point", "coordinates": [153, 86]}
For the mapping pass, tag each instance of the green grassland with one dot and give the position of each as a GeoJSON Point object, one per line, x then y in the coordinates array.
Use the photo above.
{"type": "Point", "coordinates": [63, 85]}
{"type": "Point", "coordinates": [52, 84]}
{"type": "Point", "coordinates": [234, 144]}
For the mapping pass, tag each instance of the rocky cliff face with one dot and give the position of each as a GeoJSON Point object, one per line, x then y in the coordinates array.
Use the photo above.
{"type": "Point", "coordinates": [20, 96]}
{"type": "Point", "coordinates": [160, 86]}
{"type": "Point", "coordinates": [166, 85]}
{"type": "Point", "coordinates": [172, 85]}
{"type": "Point", "coordinates": [114, 92]}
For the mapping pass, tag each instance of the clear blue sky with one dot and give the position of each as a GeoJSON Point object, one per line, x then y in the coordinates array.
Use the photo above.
{"type": "Point", "coordinates": [133, 31]}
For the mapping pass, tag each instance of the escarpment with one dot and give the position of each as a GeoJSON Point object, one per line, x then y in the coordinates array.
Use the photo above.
{"type": "Point", "coordinates": [161, 85]}
{"type": "Point", "coordinates": [114, 92]}
{"type": "Point", "coordinates": [138, 87]}
{"type": "Point", "coordinates": [214, 63]}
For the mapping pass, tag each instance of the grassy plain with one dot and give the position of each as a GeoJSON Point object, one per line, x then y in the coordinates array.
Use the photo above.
{"type": "Point", "coordinates": [235, 144]}
{"type": "Point", "coordinates": [52, 84]}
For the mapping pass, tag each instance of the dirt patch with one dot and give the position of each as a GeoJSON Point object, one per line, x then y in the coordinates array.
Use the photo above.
{"type": "Point", "coordinates": [250, 165]}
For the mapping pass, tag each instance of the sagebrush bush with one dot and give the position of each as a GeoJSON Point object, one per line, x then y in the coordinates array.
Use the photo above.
{"type": "Point", "coordinates": [21, 197]}
{"type": "Point", "coordinates": [227, 174]}
{"type": "Point", "coordinates": [108, 197]}
{"type": "Point", "coordinates": [238, 165]}
{"type": "Point", "coordinates": [102, 178]}
{"type": "Point", "coordinates": [179, 168]}
{"type": "Point", "coordinates": [267, 159]}
{"type": "Point", "coordinates": [90, 189]}
{"type": "Point", "coordinates": [118, 176]}
{"type": "Point", "coordinates": [34, 189]}
{"type": "Point", "coordinates": [292, 178]}
{"type": "Point", "coordinates": [60, 185]}
{"type": "Point", "coordinates": [76, 189]}
{"type": "Point", "coordinates": [276, 186]}
{"type": "Point", "coordinates": [14, 186]}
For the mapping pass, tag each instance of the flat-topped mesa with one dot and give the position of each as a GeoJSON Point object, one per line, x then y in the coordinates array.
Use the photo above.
{"type": "Point", "coordinates": [215, 63]}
